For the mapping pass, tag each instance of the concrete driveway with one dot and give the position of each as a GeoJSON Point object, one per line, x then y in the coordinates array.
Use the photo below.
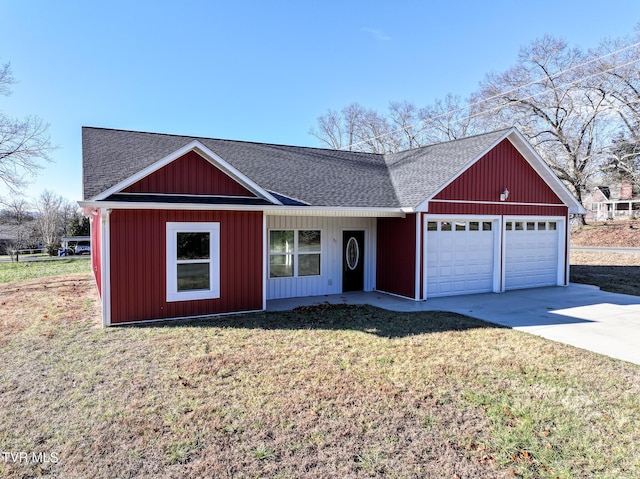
{"type": "Point", "coordinates": [579, 315]}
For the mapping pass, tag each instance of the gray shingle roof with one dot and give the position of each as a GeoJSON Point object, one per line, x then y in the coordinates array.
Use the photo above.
{"type": "Point", "coordinates": [418, 173]}
{"type": "Point", "coordinates": [313, 176]}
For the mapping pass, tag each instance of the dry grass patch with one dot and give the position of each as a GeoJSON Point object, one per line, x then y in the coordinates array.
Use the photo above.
{"type": "Point", "coordinates": [319, 392]}
{"type": "Point", "coordinates": [615, 272]}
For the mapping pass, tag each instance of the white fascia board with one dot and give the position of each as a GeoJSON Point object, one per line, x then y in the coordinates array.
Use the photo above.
{"type": "Point", "coordinates": [204, 152]}
{"type": "Point", "coordinates": [424, 205]}
{"type": "Point", "coordinates": [267, 209]}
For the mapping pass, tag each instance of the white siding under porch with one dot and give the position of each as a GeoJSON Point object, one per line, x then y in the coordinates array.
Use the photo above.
{"type": "Point", "coordinates": [330, 279]}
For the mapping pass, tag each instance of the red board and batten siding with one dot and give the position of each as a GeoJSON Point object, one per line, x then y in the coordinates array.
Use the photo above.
{"type": "Point", "coordinates": [396, 255]}
{"type": "Point", "coordinates": [502, 167]}
{"type": "Point", "coordinates": [96, 248]}
{"type": "Point", "coordinates": [189, 175]}
{"type": "Point", "coordinates": [138, 264]}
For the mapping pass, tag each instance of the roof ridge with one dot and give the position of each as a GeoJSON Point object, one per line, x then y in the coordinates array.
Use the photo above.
{"type": "Point", "coordinates": [464, 138]}
{"type": "Point", "coordinates": [247, 142]}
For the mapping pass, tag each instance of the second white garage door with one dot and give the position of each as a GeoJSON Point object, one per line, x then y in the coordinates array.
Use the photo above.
{"type": "Point", "coordinates": [531, 253]}
{"type": "Point", "coordinates": [460, 257]}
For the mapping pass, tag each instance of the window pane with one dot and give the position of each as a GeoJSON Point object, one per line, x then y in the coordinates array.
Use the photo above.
{"type": "Point", "coordinates": [445, 226]}
{"type": "Point", "coordinates": [281, 265]}
{"type": "Point", "coordinates": [308, 241]}
{"type": "Point", "coordinates": [461, 225]}
{"type": "Point", "coordinates": [519, 226]}
{"type": "Point", "coordinates": [531, 226]}
{"type": "Point", "coordinates": [486, 226]}
{"type": "Point", "coordinates": [474, 226]}
{"type": "Point", "coordinates": [308, 265]}
{"type": "Point", "coordinates": [432, 226]}
{"type": "Point", "coordinates": [542, 226]}
{"type": "Point", "coordinates": [281, 241]}
{"type": "Point", "coordinates": [552, 225]}
{"type": "Point", "coordinates": [509, 226]}
{"type": "Point", "coordinates": [193, 276]}
{"type": "Point", "coordinates": [193, 246]}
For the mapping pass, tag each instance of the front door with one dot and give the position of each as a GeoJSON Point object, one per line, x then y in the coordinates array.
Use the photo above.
{"type": "Point", "coordinates": [352, 261]}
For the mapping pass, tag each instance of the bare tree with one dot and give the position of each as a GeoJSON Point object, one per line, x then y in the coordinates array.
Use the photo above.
{"type": "Point", "coordinates": [449, 119]}
{"type": "Point", "coordinates": [17, 217]}
{"type": "Point", "coordinates": [557, 105]}
{"type": "Point", "coordinates": [24, 143]}
{"type": "Point", "coordinates": [50, 217]}
{"type": "Point", "coordinates": [356, 129]}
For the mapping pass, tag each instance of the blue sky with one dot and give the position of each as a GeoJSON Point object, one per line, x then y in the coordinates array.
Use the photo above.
{"type": "Point", "coordinates": [260, 70]}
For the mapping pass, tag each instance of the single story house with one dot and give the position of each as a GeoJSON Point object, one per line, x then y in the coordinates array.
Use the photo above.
{"type": "Point", "coordinates": [184, 226]}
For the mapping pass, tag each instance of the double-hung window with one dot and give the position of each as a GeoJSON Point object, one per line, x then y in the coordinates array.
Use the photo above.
{"type": "Point", "coordinates": [193, 261]}
{"type": "Point", "coordinates": [294, 253]}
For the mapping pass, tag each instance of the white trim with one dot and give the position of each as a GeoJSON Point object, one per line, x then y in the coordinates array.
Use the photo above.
{"type": "Point", "coordinates": [205, 153]}
{"type": "Point", "coordinates": [418, 258]}
{"type": "Point", "coordinates": [213, 292]}
{"type": "Point", "coordinates": [501, 203]}
{"type": "Point", "coordinates": [295, 253]}
{"type": "Point", "coordinates": [265, 259]}
{"type": "Point", "coordinates": [273, 210]}
{"type": "Point", "coordinates": [186, 318]}
{"type": "Point", "coordinates": [105, 266]}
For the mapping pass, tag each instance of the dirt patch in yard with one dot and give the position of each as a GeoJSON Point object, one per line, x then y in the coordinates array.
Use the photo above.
{"type": "Point", "coordinates": [54, 301]}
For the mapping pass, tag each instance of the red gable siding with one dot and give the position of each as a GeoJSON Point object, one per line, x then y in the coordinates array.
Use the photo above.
{"type": "Point", "coordinates": [396, 255]}
{"type": "Point", "coordinates": [189, 175]}
{"type": "Point", "coordinates": [138, 264]}
{"type": "Point", "coordinates": [502, 167]}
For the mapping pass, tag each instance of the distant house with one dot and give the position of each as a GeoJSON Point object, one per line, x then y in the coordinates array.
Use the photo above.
{"type": "Point", "coordinates": [184, 226]}
{"type": "Point", "coordinates": [612, 202]}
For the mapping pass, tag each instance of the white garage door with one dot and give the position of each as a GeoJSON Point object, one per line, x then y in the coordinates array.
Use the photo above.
{"type": "Point", "coordinates": [531, 253]}
{"type": "Point", "coordinates": [460, 257]}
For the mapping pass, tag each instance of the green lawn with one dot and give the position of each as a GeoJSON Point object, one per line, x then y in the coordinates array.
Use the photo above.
{"type": "Point", "coordinates": [318, 392]}
{"type": "Point", "coordinates": [24, 270]}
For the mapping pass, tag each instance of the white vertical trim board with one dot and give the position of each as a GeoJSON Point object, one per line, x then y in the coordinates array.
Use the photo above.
{"type": "Point", "coordinates": [105, 267]}
{"type": "Point", "coordinates": [265, 259]}
{"type": "Point", "coordinates": [418, 258]}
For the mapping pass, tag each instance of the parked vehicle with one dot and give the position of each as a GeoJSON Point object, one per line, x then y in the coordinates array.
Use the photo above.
{"type": "Point", "coordinates": [83, 247]}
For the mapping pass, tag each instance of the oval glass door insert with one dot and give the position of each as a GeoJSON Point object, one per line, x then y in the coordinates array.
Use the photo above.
{"type": "Point", "coordinates": [352, 253]}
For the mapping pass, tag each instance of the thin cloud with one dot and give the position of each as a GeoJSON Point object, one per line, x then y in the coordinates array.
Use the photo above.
{"type": "Point", "coordinates": [377, 34]}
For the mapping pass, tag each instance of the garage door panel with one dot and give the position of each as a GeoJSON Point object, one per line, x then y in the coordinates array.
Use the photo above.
{"type": "Point", "coordinates": [459, 260]}
{"type": "Point", "coordinates": [531, 254]}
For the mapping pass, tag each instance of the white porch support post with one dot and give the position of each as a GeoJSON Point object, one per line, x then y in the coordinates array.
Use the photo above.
{"type": "Point", "coordinates": [105, 270]}
{"type": "Point", "coordinates": [418, 257]}
{"type": "Point", "coordinates": [265, 258]}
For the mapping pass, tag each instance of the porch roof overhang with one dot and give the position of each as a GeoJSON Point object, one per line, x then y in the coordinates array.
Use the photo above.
{"type": "Point", "coordinates": [272, 210]}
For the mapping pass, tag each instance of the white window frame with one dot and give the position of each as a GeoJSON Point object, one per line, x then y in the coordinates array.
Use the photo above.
{"type": "Point", "coordinates": [295, 254]}
{"type": "Point", "coordinates": [173, 228]}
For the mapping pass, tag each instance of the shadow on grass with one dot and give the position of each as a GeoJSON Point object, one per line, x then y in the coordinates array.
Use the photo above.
{"type": "Point", "coordinates": [616, 279]}
{"type": "Point", "coordinates": [338, 317]}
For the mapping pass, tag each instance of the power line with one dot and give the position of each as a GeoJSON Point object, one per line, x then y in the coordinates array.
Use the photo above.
{"type": "Point", "coordinates": [470, 105]}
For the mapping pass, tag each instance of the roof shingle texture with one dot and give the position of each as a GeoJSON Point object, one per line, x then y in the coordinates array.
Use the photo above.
{"type": "Point", "coordinates": [315, 176]}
